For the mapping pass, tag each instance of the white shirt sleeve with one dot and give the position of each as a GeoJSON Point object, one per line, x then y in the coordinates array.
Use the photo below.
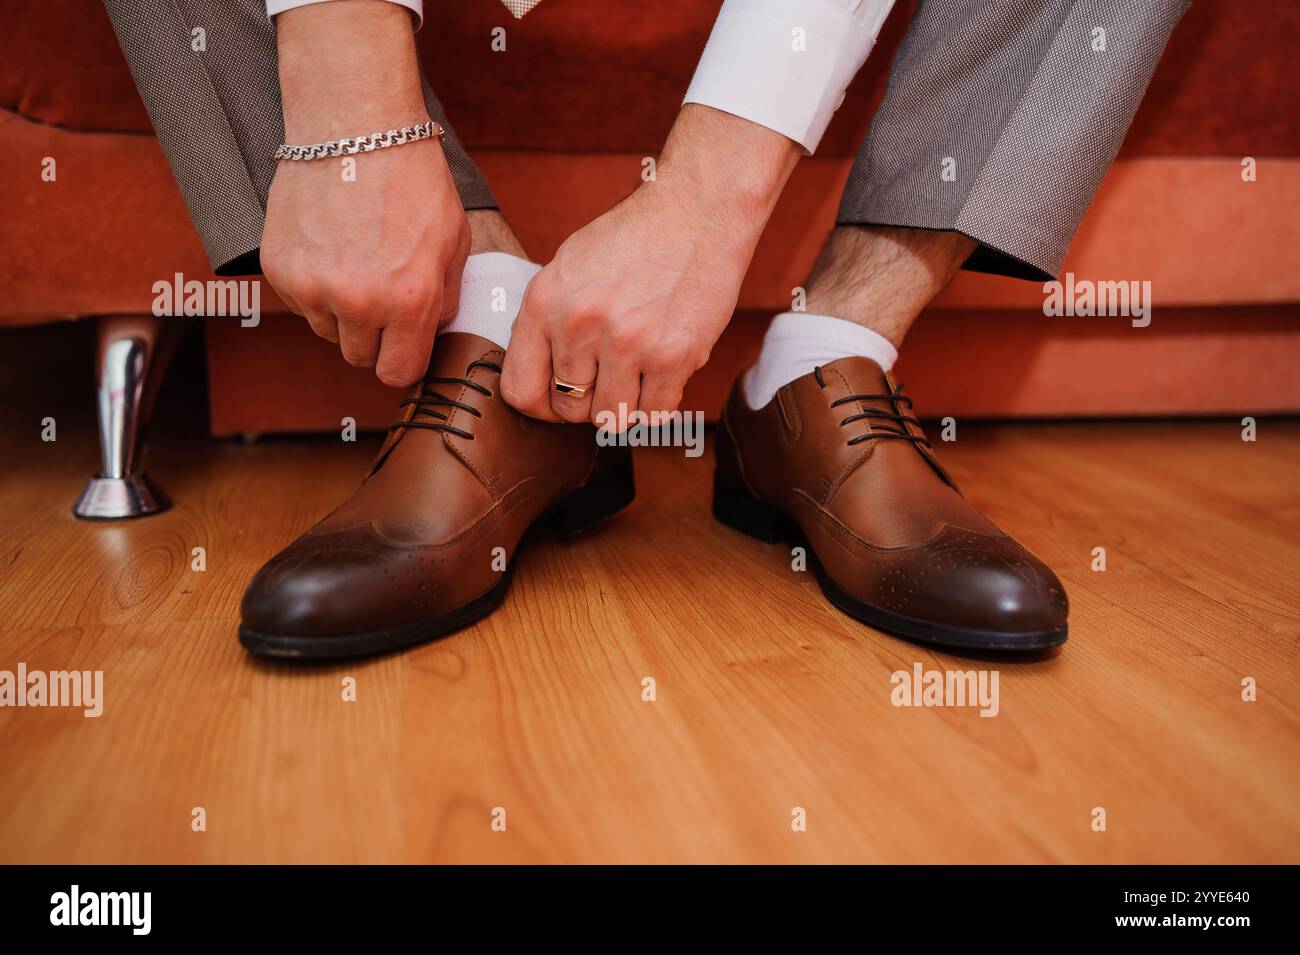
{"type": "Point", "coordinates": [279, 6]}
{"type": "Point", "coordinates": [785, 64]}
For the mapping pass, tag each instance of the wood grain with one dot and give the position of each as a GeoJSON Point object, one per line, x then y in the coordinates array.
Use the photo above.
{"type": "Point", "coordinates": [767, 698]}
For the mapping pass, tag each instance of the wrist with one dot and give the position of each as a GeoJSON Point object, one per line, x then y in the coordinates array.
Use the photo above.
{"type": "Point", "coordinates": [347, 68]}
{"type": "Point", "coordinates": [730, 169]}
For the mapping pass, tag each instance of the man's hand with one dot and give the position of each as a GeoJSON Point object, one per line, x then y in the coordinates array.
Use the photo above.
{"type": "Point", "coordinates": [373, 263]}
{"type": "Point", "coordinates": [636, 300]}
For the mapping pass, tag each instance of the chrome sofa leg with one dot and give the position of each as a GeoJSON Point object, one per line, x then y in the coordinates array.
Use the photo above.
{"type": "Point", "coordinates": [132, 357]}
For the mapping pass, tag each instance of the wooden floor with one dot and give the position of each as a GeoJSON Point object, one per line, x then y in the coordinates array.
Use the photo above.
{"type": "Point", "coordinates": [767, 698]}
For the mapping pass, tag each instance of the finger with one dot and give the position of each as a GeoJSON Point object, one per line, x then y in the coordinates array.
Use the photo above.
{"type": "Point", "coordinates": [358, 342]}
{"type": "Point", "coordinates": [661, 394]}
{"type": "Point", "coordinates": [292, 304]}
{"type": "Point", "coordinates": [573, 366]}
{"type": "Point", "coordinates": [404, 350]}
{"type": "Point", "coordinates": [451, 282]}
{"type": "Point", "coordinates": [526, 375]}
{"type": "Point", "coordinates": [322, 322]}
{"type": "Point", "coordinates": [406, 342]}
{"type": "Point", "coordinates": [618, 391]}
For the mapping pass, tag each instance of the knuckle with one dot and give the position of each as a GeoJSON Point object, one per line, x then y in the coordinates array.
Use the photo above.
{"type": "Point", "coordinates": [674, 350]}
{"type": "Point", "coordinates": [288, 284]}
{"type": "Point", "coordinates": [537, 297]}
{"type": "Point", "coordinates": [664, 405]}
{"type": "Point", "coordinates": [300, 280]}
{"type": "Point", "coordinates": [347, 293]}
{"type": "Point", "coordinates": [568, 368]}
{"type": "Point", "coordinates": [354, 303]}
{"type": "Point", "coordinates": [543, 287]}
{"type": "Point", "coordinates": [581, 321]}
{"type": "Point", "coordinates": [670, 357]}
{"type": "Point", "coordinates": [356, 356]}
{"type": "Point", "coordinates": [413, 298]}
{"type": "Point", "coordinates": [627, 336]}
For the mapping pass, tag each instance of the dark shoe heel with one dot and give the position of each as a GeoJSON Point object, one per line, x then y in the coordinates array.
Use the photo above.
{"type": "Point", "coordinates": [608, 491]}
{"type": "Point", "coordinates": [739, 509]}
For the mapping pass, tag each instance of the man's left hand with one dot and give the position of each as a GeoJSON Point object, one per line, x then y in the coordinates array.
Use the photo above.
{"type": "Point", "coordinates": [635, 301]}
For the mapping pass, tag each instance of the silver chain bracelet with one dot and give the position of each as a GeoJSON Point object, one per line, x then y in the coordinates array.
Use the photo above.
{"type": "Point", "coordinates": [361, 144]}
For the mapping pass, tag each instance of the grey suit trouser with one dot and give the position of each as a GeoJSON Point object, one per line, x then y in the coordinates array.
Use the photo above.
{"type": "Point", "coordinates": [1000, 119]}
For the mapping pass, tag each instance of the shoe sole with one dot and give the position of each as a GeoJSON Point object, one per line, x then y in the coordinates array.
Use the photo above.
{"type": "Point", "coordinates": [741, 511]}
{"type": "Point", "coordinates": [570, 516]}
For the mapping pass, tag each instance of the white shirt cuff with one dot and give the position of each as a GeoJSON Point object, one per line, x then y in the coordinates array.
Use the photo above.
{"type": "Point", "coordinates": [785, 64]}
{"type": "Point", "coordinates": [279, 6]}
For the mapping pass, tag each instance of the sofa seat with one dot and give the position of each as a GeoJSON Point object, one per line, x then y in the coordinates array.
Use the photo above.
{"type": "Point", "coordinates": [560, 123]}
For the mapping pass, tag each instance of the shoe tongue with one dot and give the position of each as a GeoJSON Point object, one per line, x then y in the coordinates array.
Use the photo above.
{"type": "Point", "coordinates": [856, 376]}
{"type": "Point", "coordinates": [863, 373]}
{"type": "Point", "coordinates": [453, 352]}
{"type": "Point", "coordinates": [835, 380]}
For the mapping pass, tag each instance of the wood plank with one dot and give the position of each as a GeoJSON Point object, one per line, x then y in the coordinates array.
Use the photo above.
{"type": "Point", "coordinates": [767, 699]}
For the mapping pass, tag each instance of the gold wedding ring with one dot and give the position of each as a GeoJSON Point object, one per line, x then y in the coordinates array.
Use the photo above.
{"type": "Point", "coordinates": [568, 390]}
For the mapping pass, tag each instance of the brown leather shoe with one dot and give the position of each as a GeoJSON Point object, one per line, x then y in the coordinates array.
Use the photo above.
{"type": "Point", "coordinates": [836, 459]}
{"type": "Point", "coordinates": [410, 556]}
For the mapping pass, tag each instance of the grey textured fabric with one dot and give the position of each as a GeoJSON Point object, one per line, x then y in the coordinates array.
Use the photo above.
{"type": "Point", "coordinates": [1029, 113]}
{"type": "Point", "coordinates": [217, 115]}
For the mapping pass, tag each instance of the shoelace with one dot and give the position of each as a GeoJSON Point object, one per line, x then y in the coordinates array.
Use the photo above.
{"type": "Point", "coordinates": [896, 400]}
{"type": "Point", "coordinates": [428, 400]}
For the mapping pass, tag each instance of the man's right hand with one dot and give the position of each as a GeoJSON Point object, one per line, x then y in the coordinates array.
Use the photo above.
{"type": "Point", "coordinates": [374, 262]}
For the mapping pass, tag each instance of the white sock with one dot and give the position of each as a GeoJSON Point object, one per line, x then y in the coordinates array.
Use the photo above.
{"type": "Point", "coordinates": [491, 292]}
{"type": "Point", "coordinates": [797, 342]}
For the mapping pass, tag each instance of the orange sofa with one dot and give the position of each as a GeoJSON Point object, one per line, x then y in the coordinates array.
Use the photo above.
{"type": "Point", "coordinates": [560, 122]}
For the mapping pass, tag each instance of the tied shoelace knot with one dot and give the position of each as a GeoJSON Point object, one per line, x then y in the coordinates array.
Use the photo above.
{"type": "Point", "coordinates": [895, 422]}
{"type": "Point", "coordinates": [428, 401]}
